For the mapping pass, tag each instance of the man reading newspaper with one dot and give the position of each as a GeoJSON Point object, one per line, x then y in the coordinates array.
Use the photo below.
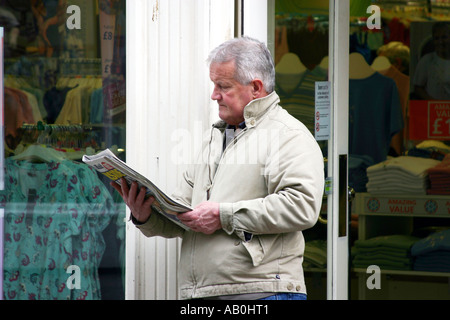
{"type": "Point", "coordinates": [261, 186]}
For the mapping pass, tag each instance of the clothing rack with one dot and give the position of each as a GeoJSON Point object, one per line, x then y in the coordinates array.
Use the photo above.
{"type": "Point", "coordinates": [62, 136]}
{"type": "Point", "coordinates": [80, 67]}
{"type": "Point", "coordinates": [298, 20]}
{"type": "Point", "coordinates": [416, 3]}
{"type": "Point", "coordinates": [41, 126]}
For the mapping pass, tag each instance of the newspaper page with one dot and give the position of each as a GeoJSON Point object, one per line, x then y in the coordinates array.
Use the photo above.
{"type": "Point", "coordinates": [108, 164]}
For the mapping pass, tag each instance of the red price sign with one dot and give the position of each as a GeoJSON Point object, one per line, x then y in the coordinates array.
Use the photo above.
{"type": "Point", "coordinates": [429, 120]}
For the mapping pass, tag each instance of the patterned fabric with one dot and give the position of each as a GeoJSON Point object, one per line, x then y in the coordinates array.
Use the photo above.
{"type": "Point", "coordinates": [54, 217]}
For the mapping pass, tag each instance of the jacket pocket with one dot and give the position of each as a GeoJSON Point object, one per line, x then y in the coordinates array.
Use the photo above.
{"type": "Point", "coordinates": [255, 249]}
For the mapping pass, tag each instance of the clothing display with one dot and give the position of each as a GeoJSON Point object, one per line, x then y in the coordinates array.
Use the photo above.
{"type": "Point", "coordinates": [439, 176]}
{"type": "Point", "coordinates": [402, 82]}
{"type": "Point", "coordinates": [433, 145]}
{"type": "Point", "coordinates": [400, 175]}
{"type": "Point", "coordinates": [67, 100]}
{"type": "Point", "coordinates": [55, 213]}
{"type": "Point", "coordinates": [299, 100]}
{"type": "Point", "coordinates": [54, 99]}
{"type": "Point", "coordinates": [375, 116]}
{"type": "Point", "coordinates": [17, 111]}
{"type": "Point", "coordinates": [357, 172]}
{"type": "Point", "coordinates": [315, 254]}
{"type": "Point", "coordinates": [76, 107]}
{"type": "Point", "coordinates": [62, 232]}
{"type": "Point", "coordinates": [432, 253]}
{"type": "Point", "coordinates": [403, 86]}
{"type": "Point", "coordinates": [391, 252]}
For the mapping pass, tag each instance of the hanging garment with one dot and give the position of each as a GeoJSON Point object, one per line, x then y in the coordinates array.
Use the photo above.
{"type": "Point", "coordinates": [53, 101]}
{"type": "Point", "coordinates": [17, 111]}
{"type": "Point", "coordinates": [402, 82]}
{"type": "Point", "coordinates": [299, 97]}
{"type": "Point", "coordinates": [55, 213]}
{"type": "Point", "coordinates": [375, 115]}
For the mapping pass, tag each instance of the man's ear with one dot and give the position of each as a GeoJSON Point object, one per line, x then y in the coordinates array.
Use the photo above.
{"type": "Point", "coordinates": [258, 90]}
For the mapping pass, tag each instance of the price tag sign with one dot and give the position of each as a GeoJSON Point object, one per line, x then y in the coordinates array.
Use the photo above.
{"type": "Point", "coordinates": [429, 119]}
{"type": "Point", "coordinates": [439, 123]}
{"type": "Point", "coordinates": [322, 110]}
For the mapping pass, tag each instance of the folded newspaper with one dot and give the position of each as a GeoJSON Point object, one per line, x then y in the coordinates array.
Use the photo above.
{"type": "Point", "coordinates": [107, 163]}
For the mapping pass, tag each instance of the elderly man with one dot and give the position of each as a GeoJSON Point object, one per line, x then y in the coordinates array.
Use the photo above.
{"type": "Point", "coordinates": [256, 185]}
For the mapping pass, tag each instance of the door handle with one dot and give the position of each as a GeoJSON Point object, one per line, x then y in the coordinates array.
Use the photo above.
{"type": "Point", "coordinates": [351, 197]}
{"type": "Point", "coordinates": [351, 194]}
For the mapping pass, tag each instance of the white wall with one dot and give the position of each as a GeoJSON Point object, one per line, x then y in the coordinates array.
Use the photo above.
{"type": "Point", "coordinates": [168, 106]}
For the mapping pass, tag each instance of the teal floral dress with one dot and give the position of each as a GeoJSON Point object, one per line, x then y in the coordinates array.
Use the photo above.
{"type": "Point", "coordinates": [54, 217]}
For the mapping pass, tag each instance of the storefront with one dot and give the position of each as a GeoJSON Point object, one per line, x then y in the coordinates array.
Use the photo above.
{"type": "Point", "coordinates": [385, 144]}
{"type": "Point", "coordinates": [81, 76]}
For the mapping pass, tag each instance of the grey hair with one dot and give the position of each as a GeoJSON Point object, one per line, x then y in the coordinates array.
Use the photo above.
{"type": "Point", "coordinates": [252, 60]}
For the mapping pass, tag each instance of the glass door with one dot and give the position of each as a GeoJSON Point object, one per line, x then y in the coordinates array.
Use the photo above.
{"type": "Point", "coordinates": [387, 63]}
{"type": "Point", "coordinates": [399, 93]}
{"type": "Point", "coordinates": [311, 63]}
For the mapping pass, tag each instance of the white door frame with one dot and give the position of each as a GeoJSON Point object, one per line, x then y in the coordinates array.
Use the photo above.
{"type": "Point", "coordinates": [258, 22]}
{"type": "Point", "coordinates": [338, 230]}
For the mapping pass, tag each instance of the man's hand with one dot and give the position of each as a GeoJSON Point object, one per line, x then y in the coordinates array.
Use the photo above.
{"type": "Point", "coordinates": [204, 218]}
{"type": "Point", "coordinates": [135, 200]}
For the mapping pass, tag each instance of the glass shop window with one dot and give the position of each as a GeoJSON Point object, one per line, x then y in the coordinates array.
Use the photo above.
{"type": "Point", "coordinates": [62, 225]}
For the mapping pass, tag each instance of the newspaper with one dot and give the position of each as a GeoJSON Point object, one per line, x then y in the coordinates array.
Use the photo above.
{"type": "Point", "coordinates": [108, 164]}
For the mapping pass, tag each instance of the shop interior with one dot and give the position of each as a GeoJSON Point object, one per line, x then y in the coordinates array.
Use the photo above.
{"type": "Point", "coordinates": [398, 167]}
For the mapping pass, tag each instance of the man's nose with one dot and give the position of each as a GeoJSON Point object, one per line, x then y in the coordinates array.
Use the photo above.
{"type": "Point", "coordinates": [215, 95]}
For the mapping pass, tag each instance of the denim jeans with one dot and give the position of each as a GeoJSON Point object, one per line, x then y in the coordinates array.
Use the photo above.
{"type": "Point", "coordinates": [286, 296]}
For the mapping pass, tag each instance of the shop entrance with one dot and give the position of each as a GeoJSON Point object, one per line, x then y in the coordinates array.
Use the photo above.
{"type": "Point", "coordinates": [379, 218]}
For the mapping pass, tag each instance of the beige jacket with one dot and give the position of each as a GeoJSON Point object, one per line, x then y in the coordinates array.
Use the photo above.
{"type": "Point", "coordinates": [269, 182]}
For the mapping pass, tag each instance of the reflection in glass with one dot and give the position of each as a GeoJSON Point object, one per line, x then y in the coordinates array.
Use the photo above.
{"type": "Point", "coordinates": [64, 77]}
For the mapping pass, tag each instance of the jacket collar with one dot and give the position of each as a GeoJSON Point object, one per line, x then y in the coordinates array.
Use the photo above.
{"type": "Point", "coordinates": [254, 110]}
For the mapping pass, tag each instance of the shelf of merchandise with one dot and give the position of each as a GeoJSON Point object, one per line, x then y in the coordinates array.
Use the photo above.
{"type": "Point", "coordinates": [394, 214]}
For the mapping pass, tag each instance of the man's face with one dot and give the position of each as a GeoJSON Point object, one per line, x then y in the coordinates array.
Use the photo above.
{"type": "Point", "coordinates": [231, 96]}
